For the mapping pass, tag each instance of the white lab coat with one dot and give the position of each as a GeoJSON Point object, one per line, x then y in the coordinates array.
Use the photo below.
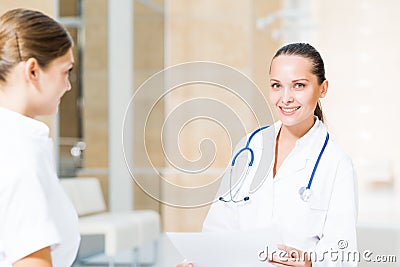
{"type": "Point", "coordinates": [34, 210]}
{"type": "Point", "coordinates": [317, 225]}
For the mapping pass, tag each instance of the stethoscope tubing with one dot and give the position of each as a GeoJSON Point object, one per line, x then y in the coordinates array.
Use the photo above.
{"type": "Point", "coordinates": [317, 162]}
{"type": "Point", "coordinates": [250, 164]}
{"type": "Point", "coordinates": [247, 147]}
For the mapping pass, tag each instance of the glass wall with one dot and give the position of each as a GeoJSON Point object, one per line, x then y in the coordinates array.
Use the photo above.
{"type": "Point", "coordinates": [71, 137]}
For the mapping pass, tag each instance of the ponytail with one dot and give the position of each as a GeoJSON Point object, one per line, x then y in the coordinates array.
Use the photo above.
{"type": "Point", "coordinates": [318, 112]}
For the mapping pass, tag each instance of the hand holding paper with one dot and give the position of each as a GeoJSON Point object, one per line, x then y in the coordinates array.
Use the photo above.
{"type": "Point", "coordinates": [233, 248]}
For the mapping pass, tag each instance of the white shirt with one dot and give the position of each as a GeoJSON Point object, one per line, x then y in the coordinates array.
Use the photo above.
{"type": "Point", "coordinates": [34, 210]}
{"type": "Point", "coordinates": [317, 225]}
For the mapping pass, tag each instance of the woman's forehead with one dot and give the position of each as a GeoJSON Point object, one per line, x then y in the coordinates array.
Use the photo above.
{"type": "Point", "coordinates": [291, 64]}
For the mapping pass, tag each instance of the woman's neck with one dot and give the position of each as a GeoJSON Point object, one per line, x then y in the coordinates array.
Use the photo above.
{"type": "Point", "coordinates": [286, 140]}
{"type": "Point", "coordinates": [13, 101]}
{"type": "Point", "coordinates": [295, 132]}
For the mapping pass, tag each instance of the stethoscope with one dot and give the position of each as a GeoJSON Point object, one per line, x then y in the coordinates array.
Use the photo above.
{"type": "Point", "coordinates": [305, 192]}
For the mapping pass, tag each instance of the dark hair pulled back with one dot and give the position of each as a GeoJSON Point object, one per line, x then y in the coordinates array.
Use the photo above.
{"type": "Point", "coordinates": [28, 34]}
{"type": "Point", "coordinates": [318, 69]}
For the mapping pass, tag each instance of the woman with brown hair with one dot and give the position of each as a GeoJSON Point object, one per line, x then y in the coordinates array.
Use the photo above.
{"type": "Point", "coordinates": [38, 224]}
{"type": "Point", "coordinates": [309, 195]}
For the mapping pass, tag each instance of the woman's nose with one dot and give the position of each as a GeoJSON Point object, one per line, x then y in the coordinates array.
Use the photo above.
{"type": "Point", "coordinates": [287, 97]}
{"type": "Point", "coordinates": [69, 87]}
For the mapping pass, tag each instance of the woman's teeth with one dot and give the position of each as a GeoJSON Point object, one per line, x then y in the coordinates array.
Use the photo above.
{"type": "Point", "coordinates": [288, 110]}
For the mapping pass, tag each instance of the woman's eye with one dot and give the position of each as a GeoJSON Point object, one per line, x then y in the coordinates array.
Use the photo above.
{"type": "Point", "coordinates": [299, 86]}
{"type": "Point", "coordinates": [275, 85]}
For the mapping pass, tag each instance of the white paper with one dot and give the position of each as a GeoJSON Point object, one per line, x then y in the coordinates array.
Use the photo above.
{"type": "Point", "coordinates": [233, 249]}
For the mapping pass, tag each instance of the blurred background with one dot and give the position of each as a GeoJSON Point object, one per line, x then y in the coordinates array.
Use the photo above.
{"type": "Point", "coordinates": [116, 53]}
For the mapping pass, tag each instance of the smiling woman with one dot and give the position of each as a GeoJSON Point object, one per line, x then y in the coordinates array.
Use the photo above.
{"type": "Point", "coordinates": [303, 70]}
{"type": "Point", "coordinates": [309, 195]}
{"type": "Point", "coordinates": [38, 224]}
{"type": "Point", "coordinates": [297, 82]}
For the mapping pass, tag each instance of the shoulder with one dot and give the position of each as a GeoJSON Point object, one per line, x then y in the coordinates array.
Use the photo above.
{"type": "Point", "coordinates": [23, 162]}
{"type": "Point", "coordinates": [17, 152]}
{"type": "Point", "coordinates": [262, 135]}
{"type": "Point", "coordinates": [336, 153]}
{"type": "Point", "coordinates": [339, 168]}
{"type": "Point", "coordinates": [335, 164]}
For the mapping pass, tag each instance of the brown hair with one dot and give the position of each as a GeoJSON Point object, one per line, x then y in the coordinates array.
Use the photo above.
{"type": "Point", "coordinates": [28, 34]}
{"type": "Point", "coordinates": [318, 69]}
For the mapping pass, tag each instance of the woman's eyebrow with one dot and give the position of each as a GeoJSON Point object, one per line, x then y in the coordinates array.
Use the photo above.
{"type": "Point", "coordinates": [302, 79]}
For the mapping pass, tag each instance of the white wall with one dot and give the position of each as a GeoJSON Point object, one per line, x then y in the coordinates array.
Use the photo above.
{"type": "Point", "coordinates": [358, 40]}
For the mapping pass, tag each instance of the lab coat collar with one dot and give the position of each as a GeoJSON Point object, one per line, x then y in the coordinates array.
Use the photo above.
{"type": "Point", "coordinates": [305, 143]}
{"type": "Point", "coordinates": [306, 148]}
{"type": "Point", "coordinates": [21, 125]}
{"type": "Point", "coordinates": [312, 142]}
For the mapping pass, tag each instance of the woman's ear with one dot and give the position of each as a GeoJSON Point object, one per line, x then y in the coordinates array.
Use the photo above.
{"type": "Point", "coordinates": [31, 71]}
{"type": "Point", "coordinates": [323, 89]}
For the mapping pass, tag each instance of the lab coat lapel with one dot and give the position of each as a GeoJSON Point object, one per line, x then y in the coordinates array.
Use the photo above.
{"type": "Point", "coordinates": [300, 163]}
{"type": "Point", "coordinates": [305, 152]}
{"type": "Point", "coordinates": [292, 165]}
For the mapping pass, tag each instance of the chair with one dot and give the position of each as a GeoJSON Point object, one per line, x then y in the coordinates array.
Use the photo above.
{"type": "Point", "coordinates": [122, 230]}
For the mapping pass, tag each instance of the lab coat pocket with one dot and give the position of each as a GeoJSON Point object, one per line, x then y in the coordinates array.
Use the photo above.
{"type": "Point", "coordinates": [317, 212]}
{"type": "Point", "coordinates": [318, 205]}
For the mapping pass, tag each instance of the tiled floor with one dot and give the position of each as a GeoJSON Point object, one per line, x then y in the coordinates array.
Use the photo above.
{"type": "Point", "coordinates": [167, 256]}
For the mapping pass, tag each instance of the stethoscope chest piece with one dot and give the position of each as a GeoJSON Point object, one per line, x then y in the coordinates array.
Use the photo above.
{"type": "Point", "coordinates": [305, 193]}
